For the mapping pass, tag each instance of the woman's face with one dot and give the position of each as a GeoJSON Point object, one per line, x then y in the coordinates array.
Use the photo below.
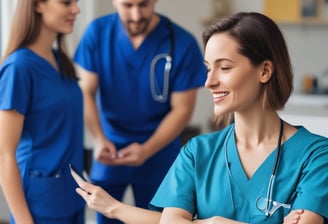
{"type": "Point", "coordinates": [233, 81]}
{"type": "Point", "coordinates": [58, 16]}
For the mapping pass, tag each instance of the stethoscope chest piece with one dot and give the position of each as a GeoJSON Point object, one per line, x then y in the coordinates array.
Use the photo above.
{"type": "Point", "coordinates": [161, 94]}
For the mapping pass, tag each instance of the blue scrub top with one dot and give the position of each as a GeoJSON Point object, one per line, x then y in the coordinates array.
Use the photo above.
{"type": "Point", "coordinates": [52, 135]}
{"type": "Point", "coordinates": [128, 112]}
{"type": "Point", "coordinates": [199, 180]}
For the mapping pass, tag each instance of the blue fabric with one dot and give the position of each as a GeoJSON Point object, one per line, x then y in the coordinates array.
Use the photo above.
{"type": "Point", "coordinates": [76, 218]}
{"type": "Point", "coordinates": [128, 112]}
{"type": "Point", "coordinates": [52, 135]}
{"type": "Point", "coordinates": [199, 181]}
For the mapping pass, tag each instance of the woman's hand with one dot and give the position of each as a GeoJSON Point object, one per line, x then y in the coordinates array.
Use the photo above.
{"type": "Point", "coordinates": [96, 198]}
{"type": "Point", "coordinates": [293, 217]}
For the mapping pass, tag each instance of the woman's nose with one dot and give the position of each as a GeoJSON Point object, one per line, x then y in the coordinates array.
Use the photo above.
{"type": "Point", "coordinates": [211, 80]}
{"type": "Point", "coordinates": [75, 8]}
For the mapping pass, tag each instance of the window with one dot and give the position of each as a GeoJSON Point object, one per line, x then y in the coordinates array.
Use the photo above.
{"type": "Point", "coordinates": [7, 9]}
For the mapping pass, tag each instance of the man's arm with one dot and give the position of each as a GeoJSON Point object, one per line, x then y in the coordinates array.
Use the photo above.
{"type": "Point", "coordinates": [174, 122]}
{"type": "Point", "coordinates": [105, 151]}
{"type": "Point", "coordinates": [171, 126]}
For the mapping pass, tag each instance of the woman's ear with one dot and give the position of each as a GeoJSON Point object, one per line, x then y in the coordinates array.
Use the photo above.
{"type": "Point", "coordinates": [267, 71]}
{"type": "Point", "coordinates": [38, 7]}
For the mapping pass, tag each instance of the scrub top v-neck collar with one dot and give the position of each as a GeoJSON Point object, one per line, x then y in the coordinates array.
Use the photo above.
{"type": "Point", "coordinates": [239, 179]}
{"type": "Point", "coordinates": [46, 64]}
{"type": "Point", "coordinates": [137, 57]}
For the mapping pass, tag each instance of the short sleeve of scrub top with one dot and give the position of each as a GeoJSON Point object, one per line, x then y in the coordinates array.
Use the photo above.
{"type": "Point", "coordinates": [15, 87]}
{"type": "Point", "coordinates": [191, 176]}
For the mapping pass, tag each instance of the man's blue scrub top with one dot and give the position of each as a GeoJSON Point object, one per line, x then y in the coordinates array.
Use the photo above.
{"type": "Point", "coordinates": [199, 181]}
{"type": "Point", "coordinates": [128, 112]}
{"type": "Point", "coordinates": [52, 135]}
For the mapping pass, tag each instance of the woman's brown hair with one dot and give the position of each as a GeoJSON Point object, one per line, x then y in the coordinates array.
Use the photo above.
{"type": "Point", "coordinates": [260, 39]}
{"type": "Point", "coordinates": [25, 28]}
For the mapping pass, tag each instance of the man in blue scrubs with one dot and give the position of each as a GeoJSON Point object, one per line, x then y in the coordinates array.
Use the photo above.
{"type": "Point", "coordinates": [139, 75]}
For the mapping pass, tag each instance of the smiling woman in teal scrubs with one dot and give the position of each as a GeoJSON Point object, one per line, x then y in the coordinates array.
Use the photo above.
{"type": "Point", "coordinates": [41, 116]}
{"type": "Point", "coordinates": [258, 169]}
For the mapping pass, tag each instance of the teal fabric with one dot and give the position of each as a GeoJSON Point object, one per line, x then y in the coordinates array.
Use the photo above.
{"type": "Point", "coordinates": [199, 180]}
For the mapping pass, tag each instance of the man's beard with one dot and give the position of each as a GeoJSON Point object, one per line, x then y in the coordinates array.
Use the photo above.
{"type": "Point", "coordinates": [142, 27]}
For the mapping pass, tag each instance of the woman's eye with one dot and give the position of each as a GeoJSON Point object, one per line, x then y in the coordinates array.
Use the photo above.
{"type": "Point", "coordinates": [225, 68]}
{"type": "Point", "coordinates": [67, 2]}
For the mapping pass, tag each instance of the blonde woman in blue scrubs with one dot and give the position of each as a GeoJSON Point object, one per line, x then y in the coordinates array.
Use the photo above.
{"type": "Point", "coordinates": [41, 116]}
{"type": "Point", "coordinates": [259, 169]}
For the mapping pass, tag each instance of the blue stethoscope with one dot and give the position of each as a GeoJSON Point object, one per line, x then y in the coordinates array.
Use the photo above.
{"type": "Point", "coordinates": [157, 94]}
{"type": "Point", "coordinates": [264, 204]}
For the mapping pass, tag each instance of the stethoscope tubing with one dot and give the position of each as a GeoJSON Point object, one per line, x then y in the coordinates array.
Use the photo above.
{"type": "Point", "coordinates": [274, 171]}
{"type": "Point", "coordinates": [162, 97]}
{"type": "Point", "coordinates": [268, 201]}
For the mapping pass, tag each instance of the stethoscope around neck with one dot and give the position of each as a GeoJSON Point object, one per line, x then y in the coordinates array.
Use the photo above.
{"type": "Point", "coordinates": [264, 204]}
{"type": "Point", "coordinates": [157, 94]}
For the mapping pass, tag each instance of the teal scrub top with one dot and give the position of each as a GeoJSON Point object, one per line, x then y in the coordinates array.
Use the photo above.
{"type": "Point", "coordinates": [201, 183]}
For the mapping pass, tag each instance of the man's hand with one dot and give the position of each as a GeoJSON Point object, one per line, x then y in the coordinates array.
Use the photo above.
{"type": "Point", "coordinates": [132, 155]}
{"type": "Point", "coordinates": [105, 151]}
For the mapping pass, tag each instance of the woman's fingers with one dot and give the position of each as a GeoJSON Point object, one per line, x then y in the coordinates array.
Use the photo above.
{"type": "Point", "coordinates": [293, 217]}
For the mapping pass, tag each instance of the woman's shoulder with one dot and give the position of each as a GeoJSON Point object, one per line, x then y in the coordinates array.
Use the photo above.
{"type": "Point", "coordinates": [20, 59]}
{"type": "Point", "coordinates": [305, 135]}
{"type": "Point", "coordinates": [305, 143]}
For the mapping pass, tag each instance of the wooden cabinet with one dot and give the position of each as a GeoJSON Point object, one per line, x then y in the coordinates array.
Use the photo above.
{"type": "Point", "coordinates": [297, 11]}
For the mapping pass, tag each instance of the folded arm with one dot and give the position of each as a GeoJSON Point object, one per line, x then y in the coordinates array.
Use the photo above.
{"type": "Point", "coordinates": [181, 216]}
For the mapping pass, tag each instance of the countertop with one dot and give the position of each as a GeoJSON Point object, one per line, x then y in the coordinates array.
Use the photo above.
{"type": "Point", "coordinates": [307, 104]}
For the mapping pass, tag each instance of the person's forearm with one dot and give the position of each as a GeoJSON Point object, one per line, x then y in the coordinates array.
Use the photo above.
{"type": "Point", "coordinates": [174, 122]}
{"type": "Point", "coordinates": [213, 220]}
{"type": "Point", "coordinates": [181, 216]}
{"type": "Point", "coordinates": [12, 188]}
{"type": "Point", "coordinates": [91, 117]}
{"type": "Point", "coordinates": [134, 215]}
{"type": "Point", "coordinates": [218, 220]}
{"type": "Point", "coordinates": [171, 126]}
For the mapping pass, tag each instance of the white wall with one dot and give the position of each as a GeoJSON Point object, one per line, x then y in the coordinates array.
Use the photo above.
{"type": "Point", "coordinates": [7, 8]}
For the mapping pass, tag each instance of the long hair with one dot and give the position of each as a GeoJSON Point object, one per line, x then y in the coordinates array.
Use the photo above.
{"type": "Point", "coordinates": [25, 28]}
{"type": "Point", "coordinates": [260, 39]}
